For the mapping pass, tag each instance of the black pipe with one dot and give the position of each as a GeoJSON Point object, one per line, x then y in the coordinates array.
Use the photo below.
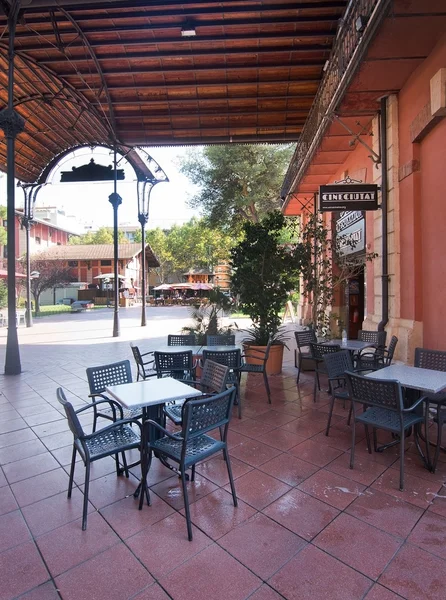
{"type": "Point", "coordinates": [143, 221]}
{"type": "Point", "coordinates": [384, 199]}
{"type": "Point", "coordinates": [115, 200]}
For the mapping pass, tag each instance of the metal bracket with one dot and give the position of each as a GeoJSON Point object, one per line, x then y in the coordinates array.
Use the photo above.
{"type": "Point", "coordinates": [376, 158]}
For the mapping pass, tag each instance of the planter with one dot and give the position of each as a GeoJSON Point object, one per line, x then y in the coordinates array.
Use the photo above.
{"type": "Point", "coordinates": [275, 359]}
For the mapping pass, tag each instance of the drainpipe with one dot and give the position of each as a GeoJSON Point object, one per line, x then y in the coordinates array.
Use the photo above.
{"type": "Point", "coordinates": [384, 190]}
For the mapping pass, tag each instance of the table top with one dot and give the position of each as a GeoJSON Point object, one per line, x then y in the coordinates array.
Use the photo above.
{"type": "Point", "coordinates": [426, 380]}
{"type": "Point", "coordinates": [221, 348]}
{"type": "Point", "coordinates": [195, 349]}
{"type": "Point", "coordinates": [351, 344]}
{"type": "Point", "coordinates": [151, 392]}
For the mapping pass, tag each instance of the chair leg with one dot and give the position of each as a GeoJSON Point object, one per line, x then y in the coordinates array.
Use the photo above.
{"type": "Point", "coordinates": [265, 379]}
{"type": "Point", "coordinates": [315, 383]}
{"type": "Point", "coordinates": [403, 439]}
{"type": "Point", "coordinates": [352, 451]}
{"type": "Point", "coordinates": [349, 419]}
{"type": "Point", "coordinates": [299, 367]}
{"type": "Point", "coordinates": [95, 418]}
{"type": "Point", "coordinates": [231, 479]}
{"type": "Point", "coordinates": [375, 441]}
{"type": "Point", "coordinates": [125, 468]}
{"type": "Point", "coordinates": [330, 415]}
{"type": "Point", "coordinates": [239, 398]}
{"type": "Point", "coordinates": [73, 463]}
{"type": "Point", "coordinates": [186, 503]}
{"type": "Point", "coordinates": [438, 448]}
{"type": "Point", "coordinates": [192, 476]}
{"type": "Point", "coordinates": [86, 488]}
{"type": "Point", "coordinates": [367, 438]}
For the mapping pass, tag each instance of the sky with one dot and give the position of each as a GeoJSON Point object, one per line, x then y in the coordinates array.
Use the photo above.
{"type": "Point", "coordinates": [89, 202]}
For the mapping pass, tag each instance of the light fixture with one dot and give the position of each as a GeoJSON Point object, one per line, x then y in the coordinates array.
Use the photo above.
{"type": "Point", "coordinates": [360, 23]}
{"type": "Point", "coordinates": [188, 31]}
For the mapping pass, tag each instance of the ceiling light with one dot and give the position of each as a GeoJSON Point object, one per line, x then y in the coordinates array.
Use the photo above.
{"type": "Point", "coordinates": [188, 32]}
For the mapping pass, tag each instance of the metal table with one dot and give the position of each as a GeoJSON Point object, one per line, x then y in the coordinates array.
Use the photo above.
{"type": "Point", "coordinates": [424, 380]}
{"type": "Point", "coordinates": [196, 350]}
{"type": "Point", "coordinates": [351, 345]}
{"type": "Point", "coordinates": [221, 348]}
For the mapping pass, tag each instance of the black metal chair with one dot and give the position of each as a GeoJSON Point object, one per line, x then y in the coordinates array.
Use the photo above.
{"type": "Point", "coordinates": [303, 341]}
{"type": "Point", "coordinates": [112, 440]}
{"type": "Point", "coordinates": [379, 358]}
{"type": "Point", "coordinates": [181, 340]}
{"type": "Point", "coordinates": [317, 355]}
{"type": "Point", "coordinates": [435, 360]}
{"type": "Point", "coordinates": [233, 360]}
{"type": "Point", "coordinates": [376, 338]}
{"type": "Point", "coordinates": [220, 340]}
{"type": "Point", "coordinates": [336, 365]}
{"type": "Point", "coordinates": [145, 367]}
{"type": "Point", "coordinates": [192, 444]}
{"type": "Point", "coordinates": [385, 410]}
{"type": "Point", "coordinates": [179, 365]}
{"type": "Point", "coordinates": [213, 380]}
{"type": "Point", "coordinates": [106, 375]}
{"type": "Point", "coordinates": [258, 355]}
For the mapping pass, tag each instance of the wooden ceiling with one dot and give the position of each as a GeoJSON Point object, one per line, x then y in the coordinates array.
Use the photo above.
{"type": "Point", "coordinates": [122, 71]}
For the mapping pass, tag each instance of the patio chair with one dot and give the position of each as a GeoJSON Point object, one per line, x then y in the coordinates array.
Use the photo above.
{"type": "Point", "coordinates": [303, 341]}
{"type": "Point", "coordinates": [377, 359]}
{"type": "Point", "coordinates": [112, 440]}
{"type": "Point", "coordinates": [385, 410]}
{"type": "Point", "coordinates": [179, 365]}
{"type": "Point", "coordinates": [213, 380]}
{"type": "Point", "coordinates": [435, 360]}
{"type": "Point", "coordinates": [336, 365]}
{"type": "Point", "coordinates": [377, 339]}
{"type": "Point", "coordinates": [257, 355]}
{"type": "Point", "coordinates": [233, 360]}
{"type": "Point", "coordinates": [192, 445]}
{"type": "Point", "coordinates": [181, 340]}
{"type": "Point", "coordinates": [317, 352]}
{"type": "Point", "coordinates": [106, 375]}
{"type": "Point", "coordinates": [220, 340]}
{"type": "Point", "coordinates": [145, 367]}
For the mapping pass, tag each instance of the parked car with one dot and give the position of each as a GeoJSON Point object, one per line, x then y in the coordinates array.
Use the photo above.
{"type": "Point", "coordinates": [81, 305]}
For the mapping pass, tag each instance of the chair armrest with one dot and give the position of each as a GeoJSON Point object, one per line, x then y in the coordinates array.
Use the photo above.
{"type": "Point", "coordinates": [113, 404]}
{"type": "Point", "coordinates": [147, 353]}
{"type": "Point", "coordinates": [151, 423]}
{"type": "Point", "coordinates": [114, 426]}
{"type": "Point", "coordinates": [415, 404]}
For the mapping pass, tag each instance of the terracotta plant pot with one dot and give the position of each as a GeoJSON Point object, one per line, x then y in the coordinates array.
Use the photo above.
{"type": "Point", "coordinates": [275, 359]}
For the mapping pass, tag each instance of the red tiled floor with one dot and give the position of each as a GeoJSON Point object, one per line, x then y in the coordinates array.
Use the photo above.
{"type": "Point", "coordinates": [378, 592]}
{"type": "Point", "coordinates": [416, 575]}
{"type": "Point", "coordinates": [365, 471]}
{"type": "Point", "coordinates": [7, 500]}
{"type": "Point", "coordinates": [416, 491]}
{"type": "Point", "coordinates": [47, 591]}
{"type": "Point", "coordinates": [216, 471]}
{"type": "Point", "coordinates": [212, 573]}
{"type": "Point", "coordinates": [301, 513]}
{"type": "Point", "coordinates": [385, 512]}
{"type": "Point", "coordinates": [265, 593]}
{"type": "Point", "coordinates": [332, 488]}
{"type": "Point", "coordinates": [17, 437]}
{"type": "Point", "coordinates": [112, 575]}
{"type": "Point", "coordinates": [152, 592]}
{"type": "Point", "coordinates": [20, 451]}
{"type": "Point", "coordinates": [13, 530]}
{"type": "Point", "coordinates": [216, 514]}
{"type": "Point", "coordinates": [289, 469]}
{"type": "Point", "coordinates": [28, 467]}
{"type": "Point", "coordinates": [272, 417]}
{"type": "Point", "coordinates": [316, 575]}
{"type": "Point", "coordinates": [304, 427]}
{"type": "Point", "coordinates": [110, 488]}
{"type": "Point", "coordinates": [316, 454]}
{"type": "Point", "coordinates": [438, 505]}
{"type": "Point", "coordinates": [282, 440]}
{"type": "Point", "coordinates": [68, 546]}
{"type": "Point", "coordinates": [3, 480]}
{"type": "Point", "coordinates": [254, 453]}
{"type": "Point", "coordinates": [251, 428]}
{"type": "Point", "coordinates": [171, 491]}
{"type": "Point", "coordinates": [40, 486]}
{"type": "Point", "coordinates": [430, 534]}
{"type": "Point", "coordinates": [356, 544]}
{"type": "Point", "coordinates": [169, 546]}
{"type": "Point", "coordinates": [259, 489]}
{"type": "Point", "coordinates": [264, 558]}
{"type": "Point", "coordinates": [21, 570]}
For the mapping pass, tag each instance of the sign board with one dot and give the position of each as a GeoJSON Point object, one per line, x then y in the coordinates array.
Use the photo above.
{"type": "Point", "coordinates": [350, 196]}
{"type": "Point", "coordinates": [350, 233]}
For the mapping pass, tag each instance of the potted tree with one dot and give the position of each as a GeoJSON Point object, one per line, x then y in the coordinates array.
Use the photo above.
{"type": "Point", "coordinates": [266, 266]}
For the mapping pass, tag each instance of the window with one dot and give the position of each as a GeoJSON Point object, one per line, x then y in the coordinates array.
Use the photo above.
{"type": "Point", "coordinates": [5, 223]}
{"type": "Point", "coordinates": [5, 251]}
{"type": "Point", "coordinates": [38, 240]}
{"type": "Point", "coordinates": [106, 263]}
{"type": "Point", "coordinates": [72, 263]}
{"type": "Point", "coordinates": [51, 233]}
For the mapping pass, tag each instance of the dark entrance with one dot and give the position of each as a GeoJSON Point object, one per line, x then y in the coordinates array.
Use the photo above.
{"type": "Point", "coordinates": [354, 304]}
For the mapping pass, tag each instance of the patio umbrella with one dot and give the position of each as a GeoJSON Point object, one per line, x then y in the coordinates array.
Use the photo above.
{"type": "Point", "coordinates": [108, 276]}
{"type": "Point", "coordinates": [163, 286]}
{"type": "Point", "coordinates": [202, 286]}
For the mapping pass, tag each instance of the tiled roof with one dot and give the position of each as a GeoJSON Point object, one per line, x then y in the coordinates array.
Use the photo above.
{"type": "Point", "coordinates": [96, 252]}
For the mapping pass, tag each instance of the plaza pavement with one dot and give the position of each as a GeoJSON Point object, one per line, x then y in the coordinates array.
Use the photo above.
{"type": "Point", "coordinates": [307, 527]}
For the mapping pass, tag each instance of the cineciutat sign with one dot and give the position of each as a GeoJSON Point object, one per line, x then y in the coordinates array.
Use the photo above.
{"type": "Point", "coordinates": [348, 197]}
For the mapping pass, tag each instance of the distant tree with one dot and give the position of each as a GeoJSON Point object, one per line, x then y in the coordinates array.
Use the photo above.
{"type": "Point", "coordinates": [52, 273]}
{"type": "Point", "coordinates": [3, 294]}
{"type": "Point", "coordinates": [104, 235]}
{"type": "Point", "coordinates": [3, 234]}
{"type": "Point", "coordinates": [237, 182]}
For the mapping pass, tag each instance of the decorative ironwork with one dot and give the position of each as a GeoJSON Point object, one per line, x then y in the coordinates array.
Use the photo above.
{"type": "Point", "coordinates": [91, 172]}
{"type": "Point", "coordinates": [11, 122]}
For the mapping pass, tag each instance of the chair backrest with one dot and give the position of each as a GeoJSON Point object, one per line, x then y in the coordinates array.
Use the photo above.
{"type": "Point", "coordinates": [383, 393]}
{"type": "Point", "coordinates": [391, 350]}
{"type": "Point", "coordinates": [220, 340]}
{"type": "Point", "coordinates": [373, 337]}
{"type": "Point", "coordinates": [305, 338]}
{"type": "Point", "coordinates": [203, 415]}
{"type": "Point", "coordinates": [318, 350]}
{"type": "Point", "coordinates": [338, 363]}
{"type": "Point", "coordinates": [181, 340]}
{"type": "Point", "coordinates": [138, 358]}
{"type": "Point", "coordinates": [214, 377]}
{"type": "Point", "coordinates": [430, 359]}
{"type": "Point", "coordinates": [178, 365]}
{"type": "Point", "coordinates": [73, 420]}
{"type": "Point", "coordinates": [105, 375]}
{"type": "Point", "coordinates": [229, 358]}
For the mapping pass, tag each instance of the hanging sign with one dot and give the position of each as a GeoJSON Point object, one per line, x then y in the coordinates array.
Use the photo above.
{"type": "Point", "coordinates": [351, 197]}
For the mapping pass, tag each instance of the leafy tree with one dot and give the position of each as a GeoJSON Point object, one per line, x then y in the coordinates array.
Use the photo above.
{"type": "Point", "coordinates": [52, 273]}
{"type": "Point", "coordinates": [104, 235]}
{"type": "Point", "coordinates": [237, 182]}
{"type": "Point", "coordinates": [3, 234]}
{"type": "Point", "coordinates": [3, 294]}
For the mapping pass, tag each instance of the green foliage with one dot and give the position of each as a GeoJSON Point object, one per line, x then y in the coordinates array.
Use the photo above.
{"type": "Point", "coordinates": [3, 234]}
{"type": "Point", "coordinates": [237, 182]}
{"type": "Point", "coordinates": [265, 271]}
{"type": "Point", "coordinates": [3, 294]}
{"type": "Point", "coordinates": [206, 319]}
{"type": "Point", "coordinates": [52, 273]}
{"type": "Point", "coordinates": [104, 235]}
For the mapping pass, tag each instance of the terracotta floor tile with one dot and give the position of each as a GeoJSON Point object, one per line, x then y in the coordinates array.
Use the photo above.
{"type": "Point", "coordinates": [17, 437]}
{"type": "Point", "coordinates": [57, 440]}
{"type": "Point", "coordinates": [171, 491]}
{"type": "Point", "coordinates": [278, 545]}
{"type": "Point", "coordinates": [13, 425]}
{"type": "Point", "coordinates": [20, 451]}
{"type": "Point", "coordinates": [47, 591]}
{"type": "Point", "coordinates": [416, 575]}
{"type": "Point", "coordinates": [110, 488]}
{"type": "Point", "coordinates": [28, 467]}
{"type": "Point", "coordinates": [152, 592]}
{"type": "Point", "coordinates": [112, 575]}
{"type": "Point", "coordinates": [416, 491]}
{"type": "Point", "coordinates": [304, 427]}
{"type": "Point", "coordinates": [7, 500]}
{"type": "Point", "coordinates": [251, 428]}
{"type": "Point", "coordinates": [126, 519]}
{"type": "Point", "coordinates": [265, 593]}
{"type": "Point", "coordinates": [13, 530]}
{"type": "Point", "coordinates": [254, 453]}
{"type": "Point", "coordinates": [282, 440]}
{"type": "Point", "coordinates": [169, 546]}
{"type": "Point", "coordinates": [314, 453]}
{"type": "Point", "coordinates": [361, 546]}
{"type": "Point", "coordinates": [63, 455]}
{"type": "Point", "coordinates": [49, 429]}
{"type": "Point", "coordinates": [100, 468]}
{"type": "Point", "coordinates": [215, 575]}
{"type": "Point", "coordinates": [21, 570]}
{"type": "Point", "coordinates": [336, 439]}
{"type": "Point", "coordinates": [216, 471]}
{"type": "Point", "coordinates": [273, 417]}
{"type": "Point", "coordinates": [332, 488]}
{"type": "Point", "coordinates": [316, 575]}
{"type": "Point", "coordinates": [40, 486]}
{"type": "Point", "coordinates": [386, 512]}
{"type": "Point", "coordinates": [259, 489]}
{"type": "Point", "coordinates": [438, 505]}
{"type": "Point", "coordinates": [3, 480]}
{"type": "Point", "coordinates": [48, 416]}
{"type": "Point", "coordinates": [378, 592]}
{"type": "Point", "coordinates": [301, 513]}
{"type": "Point", "coordinates": [216, 514]}
{"type": "Point", "coordinates": [430, 534]}
{"type": "Point", "coordinates": [289, 469]}
{"type": "Point", "coordinates": [365, 471]}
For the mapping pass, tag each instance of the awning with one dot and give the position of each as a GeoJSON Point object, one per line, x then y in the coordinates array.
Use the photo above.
{"type": "Point", "coordinates": [4, 274]}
